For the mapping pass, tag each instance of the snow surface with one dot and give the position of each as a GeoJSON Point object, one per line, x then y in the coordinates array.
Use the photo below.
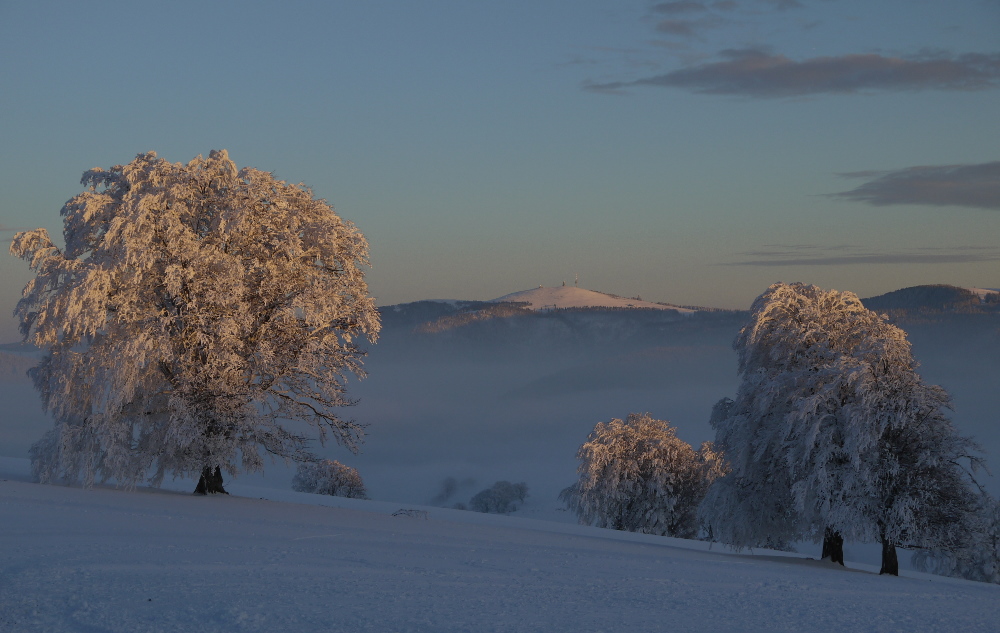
{"type": "Point", "coordinates": [982, 292]}
{"type": "Point", "coordinates": [541, 298]}
{"type": "Point", "coordinates": [159, 560]}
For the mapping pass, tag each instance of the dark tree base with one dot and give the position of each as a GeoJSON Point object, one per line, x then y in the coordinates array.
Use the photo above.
{"type": "Point", "coordinates": [890, 564]}
{"type": "Point", "coordinates": [833, 547]}
{"type": "Point", "coordinates": [210, 482]}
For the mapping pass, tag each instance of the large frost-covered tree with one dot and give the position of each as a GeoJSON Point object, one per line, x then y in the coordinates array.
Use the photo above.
{"type": "Point", "coordinates": [637, 475]}
{"type": "Point", "coordinates": [199, 318]}
{"type": "Point", "coordinates": [833, 434]}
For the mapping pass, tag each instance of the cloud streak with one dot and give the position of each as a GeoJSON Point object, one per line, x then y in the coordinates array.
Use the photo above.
{"type": "Point", "coordinates": [760, 74]}
{"type": "Point", "coordinates": [785, 5]}
{"type": "Point", "coordinates": [976, 185]}
{"type": "Point", "coordinates": [799, 256]}
{"type": "Point", "coordinates": [676, 8]}
{"type": "Point", "coordinates": [886, 258]}
{"type": "Point", "coordinates": [688, 28]}
{"type": "Point", "coordinates": [12, 229]}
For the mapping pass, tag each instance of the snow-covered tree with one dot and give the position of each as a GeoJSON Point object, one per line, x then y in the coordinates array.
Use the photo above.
{"type": "Point", "coordinates": [329, 478]}
{"type": "Point", "coordinates": [501, 498]}
{"type": "Point", "coordinates": [637, 475]}
{"type": "Point", "coordinates": [977, 556]}
{"type": "Point", "coordinates": [917, 493]}
{"type": "Point", "coordinates": [199, 317]}
{"type": "Point", "coordinates": [832, 433]}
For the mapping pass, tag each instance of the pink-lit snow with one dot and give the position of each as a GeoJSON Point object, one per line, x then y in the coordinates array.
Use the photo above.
{"type": "Point", "coordinates": [983, 292]}
{"type": "Point", "coordinates": [542, 298]}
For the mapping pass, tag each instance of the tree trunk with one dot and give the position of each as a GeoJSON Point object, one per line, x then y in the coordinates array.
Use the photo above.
{"type": "Point", "coordinates": [833, 546]}
{"type": "Point", "coordinates": [210, 482]}
{"type": "Point", "coordinates": [890, 564]}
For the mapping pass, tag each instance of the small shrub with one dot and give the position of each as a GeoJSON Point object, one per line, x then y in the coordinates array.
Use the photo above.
{"type": "Point", "coordinates": [502, 498]}
{"type": "Point", "coordinates": [637, 475]}
{"type": "Point", "coordinates": [329, 478]}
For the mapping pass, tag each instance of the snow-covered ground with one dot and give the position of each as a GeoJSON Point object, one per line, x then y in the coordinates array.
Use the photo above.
{"type": "Point", "coordinates": [542, 298]}
{"type": "Point", "coordinates": [983, 292]}
{"type": "Point", "coordinates": [161, 560]}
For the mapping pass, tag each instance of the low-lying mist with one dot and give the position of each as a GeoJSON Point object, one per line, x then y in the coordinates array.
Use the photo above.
{"type": "Point", "coordinates": [513, 396]}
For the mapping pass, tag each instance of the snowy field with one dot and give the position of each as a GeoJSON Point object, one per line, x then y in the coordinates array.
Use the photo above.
{"type": "Point", "coordinates": [163, 560]}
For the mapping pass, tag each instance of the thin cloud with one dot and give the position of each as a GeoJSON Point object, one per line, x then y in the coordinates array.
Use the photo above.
{"type": "Point", "coordinates": [956, 248]}
{"type": "Point", "coordinates": [784, 5]}
{"type": "Point", "coordinates": [689, 28]}
{"type": "Point", "coordinates": [804, 255]}
{"type": "Point", "coordinates": [13, 229]}
{"type": "Point", "coordinates": [685, 19]}
{"type": "Point", "coordinates": [889, 258]}
{"type": "Point", "coordinates": [758, 73]}
{"type": "Point", "coordinates": [692, 6]}
{"type": "Point", "coordinates": [7, 239]}
{"type": "Point", "coordinates": [675, 8]}
{"type": "Point", "coordinates": [976, 185]}
{"type": "Point", "coordinates": [797, 250]}
{"type": "Point", "coordinates": [684, 28]}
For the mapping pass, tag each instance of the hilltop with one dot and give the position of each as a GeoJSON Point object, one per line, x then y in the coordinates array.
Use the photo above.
{"type": "Point", "coordinates": [935, 299]}
{"type": "Point", "coordinates": [564, 297]}
{"type": "Point", "coordinates": [543, 314]}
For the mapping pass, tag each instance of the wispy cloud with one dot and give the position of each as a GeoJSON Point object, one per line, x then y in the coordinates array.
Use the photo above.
{"type": "Point", "coordinates": [785, 5]}
{"type": "Point", "coordinates": [12, 229]}
{"type": "Point", "coordinates": [759, 73]}
{"type": "Point", "coordinates": [688, 28]}
{"type": "Point", "coordinates": [685, 19]}
{"type": "Point", "coordinates": [873, 258]}
{"type": "Point", "coordinates": [976, 185]}
{"type": "Point", "coordinates": [5, 232]}
{"type": "Point", "coordinates": [675, 8]}
{"type": "Point", "coordinates": [845, 255]}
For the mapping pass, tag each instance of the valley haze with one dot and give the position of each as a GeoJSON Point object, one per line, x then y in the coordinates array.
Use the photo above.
{"type": "Point", "coordinates": [480, 391]}
{"type": "Point", "coordinates": [508, 389]}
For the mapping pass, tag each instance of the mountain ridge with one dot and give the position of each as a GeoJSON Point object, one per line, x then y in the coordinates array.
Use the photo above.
{"type": "Point", "coordinates": [434, 316]}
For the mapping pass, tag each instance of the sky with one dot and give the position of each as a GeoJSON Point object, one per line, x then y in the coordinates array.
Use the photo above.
{"type": "Point", "coordinates": [692, 152]}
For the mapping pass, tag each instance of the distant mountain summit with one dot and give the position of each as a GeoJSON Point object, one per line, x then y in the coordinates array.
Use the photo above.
{"type": "Point", "coordinates": [564, 297]}
{"type": "Point", "coordinates": [544, 315]}
{"type": "Point", "coordinates": [935, 299]}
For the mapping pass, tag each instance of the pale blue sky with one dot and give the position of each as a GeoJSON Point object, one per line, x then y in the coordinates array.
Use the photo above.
{"type": "Point", "coordinates": [683, 151]}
